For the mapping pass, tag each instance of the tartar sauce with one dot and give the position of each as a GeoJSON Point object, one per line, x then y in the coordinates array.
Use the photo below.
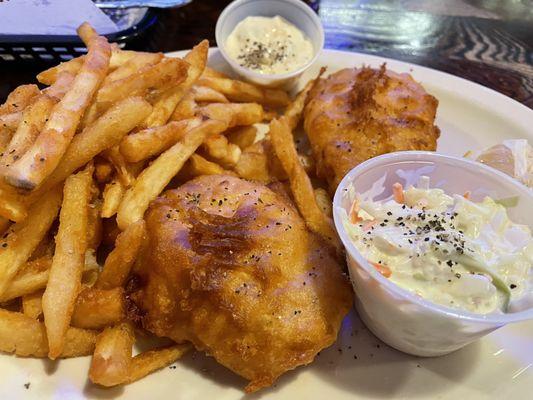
{"type": "Point", "coordinates": [447, 249]}
{"type": "Point", "coordinates": [269, 45]}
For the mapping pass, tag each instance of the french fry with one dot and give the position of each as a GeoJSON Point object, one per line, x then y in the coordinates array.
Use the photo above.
{"type": "Point", "coordinates": [114, 191]}
{"type": "Point", "coordinates": [123, 171]}
{"type": "Point", "coordinates": [119, 262]}
{"type": "Point", "coordinates": [112, 196]}
{"type": "Point", "coordinates": [213, 73]}
{"type": "Point", "coordinates": [64, 280]}
{"type": "Point", "coordinates": [185, 109]}
{"type": "Point", "coordinates": [113, 365]}
{"type": "Point", "coordinates": [294, 110]}
{"type": "Point", "coordinates": [91, 114]}
{"type": "Point", "coordinates": [324, 201]}
{"type": "Point", "coordinates": [259, 162]}
{"type": "Point", "coordinates": [61, 86]}
{"type": "Point", "coordinates": [45, 248]}
{"type": "Point", "coordinates": [150, 142]}
{"type": "Point", "coordinates": [207, 95]}
{"type": "Point", "coordinates": [234, 114]}
{"type": "Point", "coordinates": [10, 122]}
{"type": "Point", "coordinates": [164, 107]}
{"type": "Point", "coordinates": [269, 115]}
{"type": "Point", "coordinates": [150, 78]}
{"type": "Point", "coordinates": [94, 110]}
{"type": "Point", "coordinates": [197, 166]}
{"type": "Point", "coordinates": [112, 355]}
{"type": "Point", "coordinates": [5, 137]}
{"type": "Point", "coordinates": [23, 237]}
{"type": "Point", "coordinates": [98, 308]}
{"type": "Point", "coordinates": [149, 361]}
{"type": "Point", "coordinates": [32, 277]}
{"type": "Point", "coordinates": [33, 120]}
{"type": "Point", "coordinates": [25, 336]}
{"type": "Point", "coordinates": [19, 99]}
{"type": "Point", "coordinates": [106, 132]}
{"type": "Point", "coordinates": [245, 92]}
{"type": "Point", "coordinates": [51, 75]}
{"type": "Point", "coordinates": [219, 149]}
{"type": "Point", "coordinates": [140, 61]}
{"type": "Point", "coordinates": [94, 224]}
{"type": "Point", "coordinates": [254, 164]}
{"type": "Point", "coordinates": [87, 34]}
{"type": "Point", "coordinates": [91, 268]}
{"type": "Point", "coordinates": [151, 182]}
{"type": "Point", "coordinates": [302, 190]}
{"type": "Point", "coordinates": [40, 263]}
{"type": "Point", "coordinates": [32, 305]}
{"type": "Point", "coordinates": [46, 152]}
{"type": "Point", "coordinates": [242, 136]}
{"type": "Point", "coordinates": [118, 58]}
{"type": "Point", "coordinates": [12, 206]}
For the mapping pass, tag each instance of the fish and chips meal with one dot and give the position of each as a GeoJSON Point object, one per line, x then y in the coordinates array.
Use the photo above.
{"type": "Point", "coordinates": [139, 196]}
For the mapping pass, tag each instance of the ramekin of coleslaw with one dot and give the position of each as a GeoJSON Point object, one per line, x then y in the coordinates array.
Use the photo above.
{"type": "Point", "coordinates": [439, 249]}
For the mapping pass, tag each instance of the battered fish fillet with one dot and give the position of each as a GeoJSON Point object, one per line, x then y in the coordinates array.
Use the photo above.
{"type": "Point", "coordinates": [357, 114]}
{"type": "Point", "coordinates": [231, 267]}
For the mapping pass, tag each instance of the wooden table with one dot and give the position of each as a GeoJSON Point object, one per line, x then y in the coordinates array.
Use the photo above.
{"type": "Point", "coordinates": [486, 41]}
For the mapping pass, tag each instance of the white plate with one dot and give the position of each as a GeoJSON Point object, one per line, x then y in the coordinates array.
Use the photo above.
{"type": "Point", "coordinates": [499, 366]}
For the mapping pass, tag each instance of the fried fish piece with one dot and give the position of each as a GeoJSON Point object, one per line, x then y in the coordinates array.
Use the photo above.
{"type": "Point", "coordinates": [356, 114]}
{"type": "Point", "coordinates": [230, 266]}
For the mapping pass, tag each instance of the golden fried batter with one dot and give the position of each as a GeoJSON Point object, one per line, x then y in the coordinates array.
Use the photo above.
{"type": "Point", "coordinates": [231, 267]}
{"type": "Point", "coordinates": [357, 114]}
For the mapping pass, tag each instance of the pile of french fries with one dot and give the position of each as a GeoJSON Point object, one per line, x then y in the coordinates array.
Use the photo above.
{"type": "Point", "coordinates": [80, 162]}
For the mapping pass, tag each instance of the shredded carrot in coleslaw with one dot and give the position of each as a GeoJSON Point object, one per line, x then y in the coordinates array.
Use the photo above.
{"type": "Point", "coordinates": [382, 269]}
{"type": "Point", "coordinates": [354, 212]}
{"type": "Point", "coordinates": [397, 192]}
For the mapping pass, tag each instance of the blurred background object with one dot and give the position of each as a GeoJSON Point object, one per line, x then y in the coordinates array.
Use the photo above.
{"type": "Point", "coordinates": [122, 4]}
{"type": "Point", "coordinates": [486, 41]}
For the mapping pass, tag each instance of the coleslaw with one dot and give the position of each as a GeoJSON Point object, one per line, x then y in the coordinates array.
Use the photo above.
{"type": "Point", "coordinates": [447, 249]}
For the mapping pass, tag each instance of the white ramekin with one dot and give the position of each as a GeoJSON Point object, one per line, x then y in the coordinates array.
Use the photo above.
{"type": "Point", "coordinates": [294, 11]}
{"type": "Point", "coordinates": [400, 318]}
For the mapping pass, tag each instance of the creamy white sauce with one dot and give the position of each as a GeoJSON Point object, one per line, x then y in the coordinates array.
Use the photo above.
{"type": "Point", "coordinates": [269, 45]}
{"type": "Point", "coordinates": [448, 249]}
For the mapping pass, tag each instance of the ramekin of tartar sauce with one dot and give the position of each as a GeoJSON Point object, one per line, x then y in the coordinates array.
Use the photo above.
{"type": "Point", "coordinates": [439, 249]}
{"type": "Point", "coordinates": [269, 42]}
